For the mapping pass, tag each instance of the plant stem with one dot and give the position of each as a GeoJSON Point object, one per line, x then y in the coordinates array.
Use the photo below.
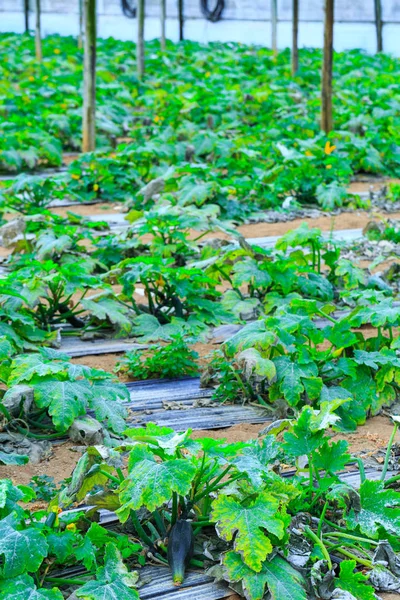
{"type": "Point", "coordinates": [321, 520]}
{"type": "Point", "coordinates": [355, 538]}
{"type": "Point", "coordinates": [174, 514]}
{"type": "Point", "coordinates": [360, 468]}
{"type": "Point", "coordinates": [362, 561]}
{"type": "Point", "coordinates": [60, 581]}
{"type": "Point", "coordinates": [109, 476]}
{"type": "Point", "coordinates": [389, 448]}
{"type": "Point", "coordinates": [321, 545]}
{"type": "Point", "coordinates": [139, 529]}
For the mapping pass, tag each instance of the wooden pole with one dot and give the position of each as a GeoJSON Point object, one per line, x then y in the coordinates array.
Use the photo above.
{"type": "Point", "coordinates": [163, 20]}
{"type": "Point", "coordinates": [38, 37]}
{"type": "Point", "coordinates": [295, 34]}
{"type": "Point", "coordinates": [274, 26]}
{"type": "Point", "coordinates": [327, 66]}
{"type": "Point", "coordinates": [140, 39]}
{"type": "Point", "coordinates": [181, 20]}
{"type": "Point", "coordinates": [378, 22]}
{"type": "Point", "coordinates": [26, 14]}
{"type": "Point", "coordinates": [89, 77]}
{"type": "Point", "coordinates": [80, 34]}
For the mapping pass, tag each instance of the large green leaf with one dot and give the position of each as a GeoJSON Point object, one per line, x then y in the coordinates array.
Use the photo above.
{"type": "Point", "coordinates": [354, 582]}
{"type": "Point", "coordinates": [292, 377]}
{"type": "Point", "coordinates": [246, 526]}
{"type": "Point", "coordinates": [253, 365]}
{"type": "Point", "coordinates": [13, 459]}
{"type": "Point", "coordinates": [24, 588]}
{"type": "Point", "coordinates": [241, 308]}
{"type": "Point", "coordinates": [379, 508]}
{"type": "Point", "coordinates": [254, 335]}
{"type": "Point", "coordinates": [106, 400]}
{"type": "Point", "coordinates": [150, 483]}
{"type": "Point", "coordinates": [283, 581]}
{"type": "Point", "coordinates": [149, 327]}
{"type": "Point", "coordinates": [331, 195]}
{"type": "Point", "coordinates": [113, 581]}
{"type": "Point", "coordinates": [65, 400]}
{"type": "Point", "coordinates": [23, 549]}
{"type": "Point", "coordinates": [248, 271]}
{"type": "Point", "coordinates": [257, 460]}
{"type": "Point", "coordinates": [26, 366]}
{"type": "Point", "coordinates": [109, 310]}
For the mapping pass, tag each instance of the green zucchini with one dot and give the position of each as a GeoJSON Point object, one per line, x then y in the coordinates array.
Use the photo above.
{"type": "Point", "coordinates": [180, 549]}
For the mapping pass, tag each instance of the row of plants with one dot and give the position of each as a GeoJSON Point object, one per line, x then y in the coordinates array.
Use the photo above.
{"type": "Point", "coordinates": [300, 305]}
{"type": "Point", "coordinates": [245, 133]}
{"type": "Point", "coordinates": [272, 517]}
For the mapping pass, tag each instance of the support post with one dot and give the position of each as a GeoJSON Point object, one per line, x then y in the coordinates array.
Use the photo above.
{"type": "Point", "coordinates": [26, 15]}
{"type": "Point", "coordinates": [38, 36]}
{"type": "Point", "coordinates": [378, 23]}
{"type": "Point", "coordinates": [140, 39]}
{"type": "Point", "coordinates": [89, 77]}
{"type": "Point", "coordinates": [181, 20]}
{"type": "Point", "coordinates": [163, 16]}
{"type": "Point", "coordinates": [274, 26]}
{"type": "Point", "coordinates": [327, 67]}
{"type": "Point", "coordinates": [80, 25]}
{"type": "Point", "coordinates": [295, 35]}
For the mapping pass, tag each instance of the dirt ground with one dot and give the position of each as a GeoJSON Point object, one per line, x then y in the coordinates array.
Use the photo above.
{"type": "Point", "coordinates": [352, 220]}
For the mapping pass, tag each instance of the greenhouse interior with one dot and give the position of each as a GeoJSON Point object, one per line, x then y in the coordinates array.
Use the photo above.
{"type": "Point", "coordinates": [200, 300]}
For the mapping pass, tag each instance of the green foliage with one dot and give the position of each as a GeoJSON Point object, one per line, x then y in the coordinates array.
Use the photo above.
{"type": "Point", "coordinates": [67, 391]}
{"type": "Point", "coordinates": [175, 359]}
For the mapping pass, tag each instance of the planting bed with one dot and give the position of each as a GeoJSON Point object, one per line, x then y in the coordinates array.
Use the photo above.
{"type": "Point", "coordinates": [199, 327]}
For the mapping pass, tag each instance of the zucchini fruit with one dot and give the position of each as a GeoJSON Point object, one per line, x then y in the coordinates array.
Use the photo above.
{"type": "Point", "coordinates": [180, 549]}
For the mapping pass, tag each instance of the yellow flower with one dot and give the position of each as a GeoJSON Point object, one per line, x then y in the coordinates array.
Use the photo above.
{"type": "Point", "coordinates": [157, 119]}
{"type": "Point", "coordinates": [309, 153]}
{"type": "Point", "coordinates": [31, 78]}
{"type": "Point", "coordinates": [57, 51]}
{"type": "Point", "coordinates": [328, 166]}
{"type": "Point", "coordinates": [95, 187]}
{"type": "Point", "coordinates": [208, 74]}
{"type": "Point", "coordinates": [71, 527]}
{"type": "Point", "coordinates": [75, 176]}
{"type": "Point", "coordinates": [113, 155]}
{"type": "Point", "coordinates": [64, 106]}
{"type": "Point", "coordinates": [328, 148]}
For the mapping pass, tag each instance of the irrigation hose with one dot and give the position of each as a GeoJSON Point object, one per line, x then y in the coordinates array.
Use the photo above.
{"type": "Point", "coordinates": [214, 14]}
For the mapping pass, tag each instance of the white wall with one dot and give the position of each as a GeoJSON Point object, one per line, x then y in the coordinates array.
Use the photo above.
{"type": "Point", "coordinates": [243, 21]}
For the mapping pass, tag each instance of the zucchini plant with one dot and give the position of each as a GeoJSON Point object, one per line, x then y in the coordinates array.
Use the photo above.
{"type": "Point", "coordinates": [270, 515]}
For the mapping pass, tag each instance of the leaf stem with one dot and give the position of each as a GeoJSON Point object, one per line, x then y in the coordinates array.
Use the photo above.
{"type": "Point", "coordinates": [321, 545]}
{"type": "Point", "coordinates": [388, 450]}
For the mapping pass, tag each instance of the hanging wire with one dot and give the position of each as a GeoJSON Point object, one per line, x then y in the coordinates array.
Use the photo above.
{"type": "Point", "coordinates": [129, 8]}
{"type": "Point", "coordinates": [214, 14]}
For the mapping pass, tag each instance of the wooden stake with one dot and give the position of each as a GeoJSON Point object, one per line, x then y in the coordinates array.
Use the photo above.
{"type": "Point", "coordinates": [38, 37]}
{"type": "Point", "coordinates": [89, 77]}
{"type": "Point", "coordinates": [295, 35]}
{"type": "Point", "coordinates": [274, 26]}
{"type": "Point", "coordinates": [26, 14]}
{"type": "Point", "coordinates": [327, 66]}
{"type": "Point", "coordinates": [378, 22]}
{"type": "Point", "coordinates": [80, 33]}
{"type": "Point", "coordinates": [163, 6]}
{"type": "Point", "coordinates": [140, 39]}
{"type": "Point", "coordinates": [181, 20]}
